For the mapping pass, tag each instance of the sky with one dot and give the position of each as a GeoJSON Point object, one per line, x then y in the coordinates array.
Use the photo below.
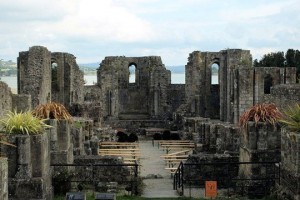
{"type": "Point", "coordinates": [172, 29]}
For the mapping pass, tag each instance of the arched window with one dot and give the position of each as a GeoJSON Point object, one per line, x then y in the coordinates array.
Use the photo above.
{"type": "Point", "coordinates": [215, 74]}
{"type": "Point", "coordinates": [132, 75]}
{"type": "Point", "coordinates": [268, 83]}
{"type": "Point", "coordinates": [54, 76]}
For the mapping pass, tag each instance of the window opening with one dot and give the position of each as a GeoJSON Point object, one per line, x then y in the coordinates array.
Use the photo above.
{"type": "Point", "coordinates": [215, 73]}
{"type": "Point", "coordinates": [132, 76]}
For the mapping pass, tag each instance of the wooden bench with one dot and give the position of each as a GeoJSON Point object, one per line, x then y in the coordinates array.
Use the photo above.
{"type": "Point", "coordinates": [159, 142]}
{"type": "Point", "coordinates": [120, 150]}
{"type": "Point", "coordinates": [118, 145]}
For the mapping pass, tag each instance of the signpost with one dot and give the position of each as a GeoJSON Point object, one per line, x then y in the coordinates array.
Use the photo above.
{"type": "Point", "coordinates": [211, 189]}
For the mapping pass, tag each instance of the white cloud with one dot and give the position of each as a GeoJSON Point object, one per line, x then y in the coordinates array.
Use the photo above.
{"type": "Point", "coordinates": [92, 29]}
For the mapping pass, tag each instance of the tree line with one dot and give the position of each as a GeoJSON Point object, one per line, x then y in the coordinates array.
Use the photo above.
{"type": "Point", "coordinates": [280, 59]}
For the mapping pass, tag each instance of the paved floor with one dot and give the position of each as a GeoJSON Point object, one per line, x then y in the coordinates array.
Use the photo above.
{"type": "Point", "coordinates": [158, 181]}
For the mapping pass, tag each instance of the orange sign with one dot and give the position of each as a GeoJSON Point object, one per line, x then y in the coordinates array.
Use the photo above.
{"type": "Point", "coordinates": [211, 189]}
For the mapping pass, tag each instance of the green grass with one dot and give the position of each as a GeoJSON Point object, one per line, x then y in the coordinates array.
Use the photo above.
{"type": "Point", "coordinates": [90, 196]}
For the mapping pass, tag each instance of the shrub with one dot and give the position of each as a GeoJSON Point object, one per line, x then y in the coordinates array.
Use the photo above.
{"type": "Point", "coordinates": [22, 123]}
{"type": "Point", "coordinates": [122, 137]}
{"type": "Point", "coordinates": [52, 110]}
{"type": "Point", "coordinates": [268, 113]}
{"type": "Point", "coordinates": [166, 135]}
{"type": "Point", "coordinates": [157, 136]}
{"type": "Point", "coordinates": [174, 136]}
{"type": "Point", "coordinates": [291, 117]}
{"type": "Point", "coordinates": [132, 137]}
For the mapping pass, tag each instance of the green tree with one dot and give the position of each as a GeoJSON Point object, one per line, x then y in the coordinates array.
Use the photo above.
{"type": "Point", "coordinates": [276, 59]}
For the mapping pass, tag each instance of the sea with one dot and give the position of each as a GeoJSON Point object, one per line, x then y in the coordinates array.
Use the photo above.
{"type": "Point", "coordinates": [176, 78]}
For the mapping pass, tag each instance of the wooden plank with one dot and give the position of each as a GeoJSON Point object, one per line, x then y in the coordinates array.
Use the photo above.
{"type": "Point", "coordinates": [174, 156]}
{"type": "Point", "coordinates": [180, 152]}
{"type": "Point", "coordinates": [121, 150]}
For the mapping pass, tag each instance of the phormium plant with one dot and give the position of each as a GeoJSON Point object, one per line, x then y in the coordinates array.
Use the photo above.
{"type": "Point", "coordinates": [268, 113]}
{"type": "Point", "coordinates": [291, 118]}
{"type": "Point", "coordinates": [22, 123]}
{"type": "Point", "coordinates": [52, 110]}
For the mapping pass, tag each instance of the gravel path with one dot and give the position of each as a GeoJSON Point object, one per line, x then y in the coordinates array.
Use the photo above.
{"type": "Point", "coordinates": [158, 182]}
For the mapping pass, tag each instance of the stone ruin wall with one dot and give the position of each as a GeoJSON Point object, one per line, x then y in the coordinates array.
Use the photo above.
{"type": "Point", "coordinates": [240, 85]}
{"type": "Point", "coordinates": [199, 89]}
{"type": "Point", "coordinates": [36, 77]}
{"type": "Point", "coordinates": [146, 97]}
{"type": "Point", "coordinates": [34, 74]}
{"type": "Point", "coordinates": [11, 102]}
{"type": "Point", "coordinates": [6, 98]}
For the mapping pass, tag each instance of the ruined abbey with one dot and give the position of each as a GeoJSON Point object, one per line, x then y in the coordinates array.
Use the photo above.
{"type": "Point", "coordinates": [56, 76]}
{"type": "Point", "coordinates": [204, 112]}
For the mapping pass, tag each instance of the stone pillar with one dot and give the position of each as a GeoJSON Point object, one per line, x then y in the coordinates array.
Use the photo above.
{"type": "Point", "coordinates": [63, 153]}
{"type": "Point", "coordinates": [290, 168]}
{"type": "Point", "coordinates": [30, 175]}
{"type": "Point", "coordinates": [259, 143]}
{"type": "Point", "coordinates": [3, 179]}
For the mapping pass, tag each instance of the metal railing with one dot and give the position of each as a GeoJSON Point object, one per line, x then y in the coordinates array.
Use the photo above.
{"type": "Point", "coordinates": [194, 175]}
{"type": "Point", "coordinates": [93, 174]}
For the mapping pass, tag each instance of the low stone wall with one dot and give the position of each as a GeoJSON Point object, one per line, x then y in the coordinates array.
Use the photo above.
{"type": "Point", "coordinates": [204, 167]}
{"type": "Point", "coordinates": [290, 168]}
{"type": "Point", "coordinates": [3, 179]}
{"type": "Point", "coordinates": [214, 136]}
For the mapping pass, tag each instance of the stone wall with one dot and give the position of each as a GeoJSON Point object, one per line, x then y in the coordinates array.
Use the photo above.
{"type": "Point", "coordinates": [11, 102]}
{"type": "Point", "coordinates": [145, 97]}
{"type": "Point", "coordinates": [34, 74]}
{"type": "Point", "coordinates": [3, 179]}
{"type": "Point", "coordinates": [61, 145]}
{"type": "Point", "coordinates": [243, 92]}
{"type": "Point", "coordinates": [29, 176]}
{"type": "Point", "coordinates": [5, 99]}
{"type": "Point", "coordinates": [176, 97]}
{"type": "Point", "coordinates": [259, 143]}
{"type": "Point", "coordinates": [67, 79]}
{"type": "Point", "coordinates": [204, 167]}
{"type": "Point", "coordinates": [290, 168]}
{"type": "Point", "coordinates": [49, 76]}
{"type": "Point", "coordinates": [199, 89]}
{"type": "Point", "coordinates": [213, 136]}
{"type": "Point", "coordinates": [284, 95]}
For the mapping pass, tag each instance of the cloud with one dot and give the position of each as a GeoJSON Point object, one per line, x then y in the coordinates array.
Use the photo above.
{"type": "Point", "coordinates": [93, 29]}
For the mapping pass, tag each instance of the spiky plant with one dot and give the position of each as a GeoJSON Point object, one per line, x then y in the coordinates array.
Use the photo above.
{"type": "Point", "coordinates": [291, 117]}
{"type": "Point", "coordinates": [22, 123]}
{"type": "Point", "coordinates": [52, 110]}
{"type": "Point", "coordinates": [268, 113]}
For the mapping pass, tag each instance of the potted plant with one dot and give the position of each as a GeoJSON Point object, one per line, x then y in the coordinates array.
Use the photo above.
{"type": "Point", "coordinates": [260, 142]}
{"type": "Point", "coordinates": [291, 118]}
{"type": "Point", "coordinates": [30, 159]}
{"type": "Point", "coordinates": [22, 123]}
{"type": "Point", "coordinates": [52, 110]}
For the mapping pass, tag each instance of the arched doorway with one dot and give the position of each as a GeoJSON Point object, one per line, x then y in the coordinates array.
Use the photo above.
{"type": "Point", "coordinates": [268, 83]}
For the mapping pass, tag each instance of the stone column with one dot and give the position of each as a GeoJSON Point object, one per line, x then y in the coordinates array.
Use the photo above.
{"type": "Point", "coordinates": [30, 175]}
{"type": "Point", "coordinates": [259, 143]}
{"type": "Point", "coordinates": [3, 179]}
{"type": "Point", "coordinates": [290, 168]}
